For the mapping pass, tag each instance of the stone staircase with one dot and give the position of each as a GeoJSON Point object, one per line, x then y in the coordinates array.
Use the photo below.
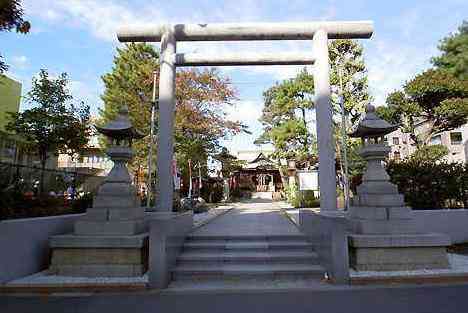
{"type": "Point", "coordinates": [245, 261]}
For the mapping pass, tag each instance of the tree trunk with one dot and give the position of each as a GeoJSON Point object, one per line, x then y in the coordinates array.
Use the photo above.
{"type": "Point", "coordinates": [43, 156]}
{"type": "Point", "coordinates": [306, 143]}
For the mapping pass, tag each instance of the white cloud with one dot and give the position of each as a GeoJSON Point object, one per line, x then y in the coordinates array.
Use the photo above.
{"type": "Point", "coordinates": [19, 62]}
{"type": "Point", "coordinates": [101, 18]}
{"type": "Point", "coordinates": [247, 112]}
{"type": "Point", "coordinates": [391, 64]}
{"type": "Point", "coordinates": [88, 92]}
{"type": "Point", "coordinates": [276, 73]}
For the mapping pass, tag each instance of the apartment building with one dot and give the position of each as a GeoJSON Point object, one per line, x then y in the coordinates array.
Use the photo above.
{"type": "Point", "coordinates": [92, 161]}
{"type": "Point", "coordinates": [455, 140]}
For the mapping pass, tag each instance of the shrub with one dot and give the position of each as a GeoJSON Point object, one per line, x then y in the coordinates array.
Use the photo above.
{"type": "Point", "coordinates": [82, 203]}
{"type": "Point", "coordinates": [292, 195]}
{"type": "Point", "coordinates": [14, 204]}
{"type": "Point", "coordinates": [301, 198]}
{"type": "Point", "coordinates": [431, 185]}
{"type": "Point", "coordinates": [308, 199]}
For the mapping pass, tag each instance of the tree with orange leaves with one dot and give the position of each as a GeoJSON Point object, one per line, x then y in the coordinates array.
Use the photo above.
{"type": "Point", "coordinates": [201, 96]}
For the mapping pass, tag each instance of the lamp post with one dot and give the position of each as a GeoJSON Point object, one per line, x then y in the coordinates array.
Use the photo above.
{"type": "Point", "coordinates": [343, 140]}
{"type": "Point", "coordinates": [149, 187]}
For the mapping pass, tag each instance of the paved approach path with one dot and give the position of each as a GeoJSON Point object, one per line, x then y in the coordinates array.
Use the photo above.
{"type": "Point", "coordinates": [250, 218]}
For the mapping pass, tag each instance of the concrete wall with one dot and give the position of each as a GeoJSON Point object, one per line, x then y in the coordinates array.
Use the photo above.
{"type": "Point", "coordinates": [24, 243]}
{"type": "Point", "coordinates": [329, 234]}
{"type": "Point", "coordinates": [167, 236]}
{"type": "Point", "coordinates": [451, 222]}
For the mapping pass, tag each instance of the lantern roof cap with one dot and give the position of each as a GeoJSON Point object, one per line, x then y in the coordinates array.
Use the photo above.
{"type": "Point", "coordinates": [372, 125]}
{"type": "Point", "coordinates": [120, 127]}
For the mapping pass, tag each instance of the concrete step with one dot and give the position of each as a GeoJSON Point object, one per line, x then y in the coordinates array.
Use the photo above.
{"type": "Point", "coordinates": [289, 284]}
{"type": "Point", "coordinates": [242, 271]}
{"type": "Point", "coordinates": [250, 257]}
{"type": "Point", "coordinates": [240, 238]}
{"type": "Point", "coordinates": [254, 245]}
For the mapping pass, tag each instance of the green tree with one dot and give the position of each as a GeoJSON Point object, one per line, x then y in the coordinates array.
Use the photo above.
{"type": "Point", "coordinates": [200, 121]}
{"type": "Point", "coordinates": [131, 82]}
{"type": "Point", "coordinates": [454, 57]}
{"type": "Point", "coordinates": [284, 117]}
{"type": "Point", "coordinates": [431, 154]}
{"type": "Point", "coordinates": [229, 163]}
{"type": "Point", "coordinates": [287, 103]}
{"type": "Point", "coordinates": [434, 101]}
{"type": "Point", "coordinates": [54, 125]}
{"type": "Point", "coordinates": [348, 76]}
{"type": "Point", "coordinates": [11, 17]}
{"type": "Point", "coordinates": [348, 73]}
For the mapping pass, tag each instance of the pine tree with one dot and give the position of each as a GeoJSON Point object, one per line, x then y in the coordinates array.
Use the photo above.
{"type": "Point", "coordinates": [454, 57]}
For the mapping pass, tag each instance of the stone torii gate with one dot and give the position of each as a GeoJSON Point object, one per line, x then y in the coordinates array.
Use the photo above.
{"type": "Point", "coordinates": [318, 32]}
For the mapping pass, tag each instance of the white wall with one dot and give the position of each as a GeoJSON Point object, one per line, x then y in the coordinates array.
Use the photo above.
{"type": "Point", "coordinates": [451, 222]}
{"type": "Point", "coordinates": [24, 244]}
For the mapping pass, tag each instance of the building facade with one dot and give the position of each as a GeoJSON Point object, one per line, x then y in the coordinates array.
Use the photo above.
{"type": "Point", "coordinates": [259, 177]}
{"type": "Point", "coordinates": [92, 161]}
{"type": "Point", "coordinates": [10, 98]}
{"type": "Point", "coordinates": [455, 140]}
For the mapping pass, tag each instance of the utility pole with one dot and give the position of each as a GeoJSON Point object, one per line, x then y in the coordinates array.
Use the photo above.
{"type": "Point", "coordinates": [343, 140]}
{"type": "Point", "coordinates": [199, 179]}
{"type": "Point", "coordinates": [190, 178]}
{"type": "Point", "coordinates": [149, 185]}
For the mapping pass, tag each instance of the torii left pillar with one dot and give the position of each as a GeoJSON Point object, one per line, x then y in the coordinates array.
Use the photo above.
{"type": "Point", "coordinates": [166, 120]}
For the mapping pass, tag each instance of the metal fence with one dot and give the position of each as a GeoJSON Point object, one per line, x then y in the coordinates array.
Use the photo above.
{"type": "Point", "coordinates": [26, 178]}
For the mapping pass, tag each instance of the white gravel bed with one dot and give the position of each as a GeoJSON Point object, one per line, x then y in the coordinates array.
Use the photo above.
{"type": "Point", "coordinates": [458, 262]}
{"type": "Point", "coordinates": [44, 278]}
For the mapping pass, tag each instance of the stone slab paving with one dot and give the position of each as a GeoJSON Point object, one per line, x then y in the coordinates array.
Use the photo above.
{"type": "Point", "coordinates": [250, 218]}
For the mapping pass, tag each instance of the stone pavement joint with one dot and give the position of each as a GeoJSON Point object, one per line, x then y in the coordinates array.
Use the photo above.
{"type": "Point", "coordinates": [250, 219]}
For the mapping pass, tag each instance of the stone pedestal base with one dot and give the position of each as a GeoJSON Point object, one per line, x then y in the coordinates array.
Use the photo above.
{"type": "Point", "coordinates": [99, 256]}
{"type": "Point", "coordinates": [112, 228]}
{"type": "Point", "coordinates": [398, 252]}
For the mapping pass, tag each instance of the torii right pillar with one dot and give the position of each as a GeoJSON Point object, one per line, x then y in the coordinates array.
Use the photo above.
{"type": "Point", "coordinates": [327, 179]}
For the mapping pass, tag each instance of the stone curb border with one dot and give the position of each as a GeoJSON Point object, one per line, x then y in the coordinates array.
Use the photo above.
{"type": "Point", "coordinates": [285, 213]}
{"type": "Point", "coordinates": [208, 220]}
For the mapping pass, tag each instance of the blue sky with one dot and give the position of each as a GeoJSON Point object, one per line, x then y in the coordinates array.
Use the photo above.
{"type": "Point", "coordinates": [78, 37]}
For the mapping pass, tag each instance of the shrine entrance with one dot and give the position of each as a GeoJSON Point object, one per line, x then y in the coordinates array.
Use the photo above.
{"type": "Point", "coordinates": [265, 183]}
{"type": "Point", "coordinates": [318, 32]}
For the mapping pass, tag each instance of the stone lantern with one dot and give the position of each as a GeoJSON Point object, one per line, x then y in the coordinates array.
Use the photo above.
{"type": "Point", "coordinates": [110, 239]}
{"type": "Point", "coordinates": [384, 234]}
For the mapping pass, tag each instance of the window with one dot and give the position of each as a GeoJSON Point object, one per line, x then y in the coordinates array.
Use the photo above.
{"type": "Point", "coordinates": [456, 138]}
{"type": "Point", "coordinates": [436, 140]}
{"type": "Point", "coordinates": [396, 156]}
{"type": "Point", "coordinates": [396, 140]}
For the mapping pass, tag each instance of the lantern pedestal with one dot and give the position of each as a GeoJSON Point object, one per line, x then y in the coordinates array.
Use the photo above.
{"type": "Point", "coordinates": [110, 239]}
{"type": "Point", "coordinates": [384, 236]}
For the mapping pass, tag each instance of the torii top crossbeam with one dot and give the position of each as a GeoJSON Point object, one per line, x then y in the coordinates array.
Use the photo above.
{"type": "Point", "coordinates": [248, 31]}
